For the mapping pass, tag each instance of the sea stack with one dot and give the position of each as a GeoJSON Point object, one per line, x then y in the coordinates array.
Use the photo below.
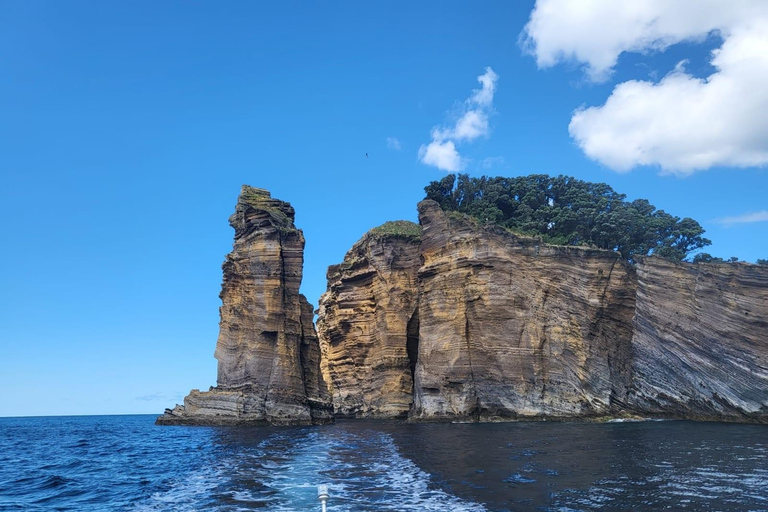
{"type": "Point", "coordinates": [268, 352]}
{"type": "Point", "coordinates": [456, 319]}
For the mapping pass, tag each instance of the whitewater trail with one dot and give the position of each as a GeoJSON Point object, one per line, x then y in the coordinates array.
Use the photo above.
{"type": "Point", "coordinates": [280, 475]}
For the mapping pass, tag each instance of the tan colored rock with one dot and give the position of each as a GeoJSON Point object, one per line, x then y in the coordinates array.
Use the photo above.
{"type": "Point", "coordinates": [268, 353]}
{"type": "Point", "coordinates": [457, 320]}
{"type": "Point", "coordinates": [365, 320]}
{"type": "Point", "coordinates": [513, 328]}
{"type": "Point", "coordinates": [700, 346]}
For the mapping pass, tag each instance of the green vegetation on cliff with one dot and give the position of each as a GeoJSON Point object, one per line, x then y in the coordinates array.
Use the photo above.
{"type": "Point", "coordinates": [400, 228]}
{"type": "Point", "coordinates": [280, 212]}
{"type": "Point", "coordinates": [705, 257]}
{"type": "Point", "coordinates": [567, 211]}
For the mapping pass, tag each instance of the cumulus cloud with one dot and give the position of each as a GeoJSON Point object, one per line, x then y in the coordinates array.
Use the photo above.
{"type": "Point", "coordinates": [681, 123]}
{"type": "Point", "coordinates": [471, 123]}
{"type": "Point", "coordinates": [747, 218]}
{"type": "Point", "coordinates": [393, 143]}
{"type": "Point", "coordinates": [441, 154]}
{"type": "Point", "coordinates": [596, 32]}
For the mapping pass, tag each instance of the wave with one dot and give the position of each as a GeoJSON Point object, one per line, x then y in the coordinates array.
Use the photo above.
{"type": "Point", "coordinates": [364, 473]}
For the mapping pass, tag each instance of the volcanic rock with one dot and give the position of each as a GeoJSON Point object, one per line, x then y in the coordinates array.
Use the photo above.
{"type": "Point", "coordinates": [268, 352]}
{"type": "Point", "coordinates": [700, 344]}
{"type": "Point", "coordinates": [514, 328]}
{"type": "Point", "coordinates": [368, 322]}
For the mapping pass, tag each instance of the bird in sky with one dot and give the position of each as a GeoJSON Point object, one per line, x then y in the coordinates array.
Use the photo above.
{"type": "Point", "coordinates": [366, 155]}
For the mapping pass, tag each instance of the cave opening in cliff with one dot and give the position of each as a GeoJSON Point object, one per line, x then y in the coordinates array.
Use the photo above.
{"type": "Point", "coordinates": [412, 342]}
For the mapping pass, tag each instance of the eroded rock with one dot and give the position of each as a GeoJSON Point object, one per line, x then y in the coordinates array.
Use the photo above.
{"type": "Point", "coordinates": [513, 328]}
{"type": "Point", "coordinates": [462, 321]}
{"type": "Point", "coordinates": [268, 353]}
{"type": "Point", "coordinates": [700, 344]}
{"type": "Point", "coordinates": [366, 320]}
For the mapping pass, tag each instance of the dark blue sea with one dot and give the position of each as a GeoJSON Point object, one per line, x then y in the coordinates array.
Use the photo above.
{"type": "Point", "coordinates": [126, 463]}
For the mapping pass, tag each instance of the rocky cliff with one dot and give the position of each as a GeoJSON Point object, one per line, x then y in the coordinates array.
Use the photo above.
{"type": "Point", "coordinates": [463, 321]}
{"type": "Point", "coordinates": [494, 326]}
{"type": "Point", "coordinates": [368, 321]}
{"type": "Point", "coordinates": [700, 344]}
{"type": "Point", "coordinates": [512, 328]}
{"type": "Point", "coordinates": [268, 352]}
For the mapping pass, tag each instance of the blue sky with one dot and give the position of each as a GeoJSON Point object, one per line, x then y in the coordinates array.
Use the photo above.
{"type": "Point", "coordinates": [127, 129]}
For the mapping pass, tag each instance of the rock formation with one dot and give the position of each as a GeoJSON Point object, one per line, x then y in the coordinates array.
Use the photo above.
{"type": "Point", "coordinates": [494, 326]}
{"type": "Point", "coordinates": [513, 328]}
{"type": "Point", "coordinates": [268, 351]}
{"type": "Point", "coordinates": [700, 344]}
{"type": "Point", "coordinates": [366, 320]}
{"type": "Point", "coordinates": [464, 321]}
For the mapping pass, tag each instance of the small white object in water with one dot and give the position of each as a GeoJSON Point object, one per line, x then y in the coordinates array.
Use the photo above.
{"type": "Point", "coordinates": [322, 494]}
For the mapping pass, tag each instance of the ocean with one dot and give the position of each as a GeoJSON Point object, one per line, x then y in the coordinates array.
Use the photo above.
{"type": "Point", "coordinates": [126, 463]}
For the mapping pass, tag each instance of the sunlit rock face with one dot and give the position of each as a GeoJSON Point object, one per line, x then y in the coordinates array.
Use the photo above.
{"type": "Point", "coordinates": [700, 344]}
{"type": "Point", "coordinates": [456, 320]}
{"type": "Point", "coordinates": [464, 321]}
{"type": "Point", "coordinates": [268, 352]}
{"type": "Point", "coordinates": [368, 323]}
{"type": "Point", "coordinates": [512, 328]}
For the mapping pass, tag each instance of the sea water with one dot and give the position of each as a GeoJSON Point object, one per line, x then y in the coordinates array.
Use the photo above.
{"type": "Point", "coordinates": [126, 463]}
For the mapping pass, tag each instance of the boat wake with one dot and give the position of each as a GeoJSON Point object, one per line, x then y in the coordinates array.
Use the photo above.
{"type": "Point", "coordinates": [364, 473]}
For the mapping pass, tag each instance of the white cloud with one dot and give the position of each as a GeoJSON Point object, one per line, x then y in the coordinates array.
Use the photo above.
{"type": "Point", "coordinates": [393, 143]}
{"type": "Point", "coordinates": [484, 95]}
{"type": "Point", "coordinates": [682, 123]}
{"type": "Point", "coordinates": [471, 124]}
{"type": "Point", "coordinates": [747, 218]}
{"type": "Point", "coordinates": [596, 32]}
{"type": "Point", "coordinates": [442, 154]}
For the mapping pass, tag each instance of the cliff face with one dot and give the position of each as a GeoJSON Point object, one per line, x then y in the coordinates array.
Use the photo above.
{"type": "Point", "coordinates": [455, 320]}
{"type": "Point", "coordinates": [700, 345]}
{"type": "Point", "coordinates": [496, 326]}
{"type": "Point", "coordinates": [268, 351]}
{"type": "Point", "coordinates": [366, 319]}
{"type": "Point", "coordinates": [510, 328]}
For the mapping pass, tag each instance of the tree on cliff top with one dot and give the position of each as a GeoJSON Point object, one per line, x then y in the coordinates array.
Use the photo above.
{"type": "Point", "coordinates": [567, 211]}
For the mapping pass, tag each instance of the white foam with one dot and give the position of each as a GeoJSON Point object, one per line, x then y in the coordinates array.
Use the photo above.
{"type": "Point", "coordinates": [363, 473]}
{"type": "Point", "coordinates": [184, 495]}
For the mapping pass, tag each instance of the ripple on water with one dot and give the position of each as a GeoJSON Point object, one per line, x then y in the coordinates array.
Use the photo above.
{"type": "Point", "coordinates": [128, 464]}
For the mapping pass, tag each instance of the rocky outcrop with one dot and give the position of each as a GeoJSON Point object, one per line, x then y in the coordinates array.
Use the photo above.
{"type": "Point", "coordinates": [700, 344]}
{"type": "Point", "coordinates": [496, 326]}
{"type": "Point", "coordinates": [513, 328]}
{"type": "Point", "coordinates": [268, 352]}
{"type": "Point", "coordinates": [463, 321]}
{"type": "Point", "coordinates": [368, 323]}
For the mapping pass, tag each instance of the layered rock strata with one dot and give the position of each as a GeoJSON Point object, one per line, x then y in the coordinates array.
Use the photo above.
{"type": "Point", "coordinates": [495, 326]}
{"type": "Point", "coordinates": [368, 323]}
{"type": "Point", "coordinates": [462, 321]}
{"type": "Point", "coordinates": [513, 328]}
{"type": "Point", "coordinates": [700, 344]}
{"type": "Point", "coordinates": [268, 352]}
